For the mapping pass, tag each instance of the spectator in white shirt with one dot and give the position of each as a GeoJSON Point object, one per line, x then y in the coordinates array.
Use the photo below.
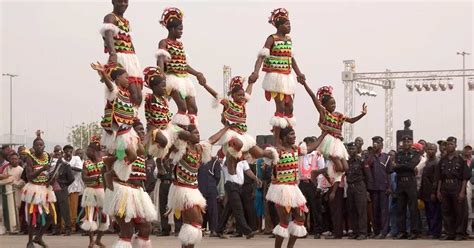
{"type": "Point", "coordinates": [307, 164]}
{"type": "Point", "coordinates": [76, 188]}
{"type": "Point", "coordinates": [234, 179]}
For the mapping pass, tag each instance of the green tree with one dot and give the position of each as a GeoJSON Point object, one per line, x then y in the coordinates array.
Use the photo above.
{"type": "Point", "coordinates": [80, 135]}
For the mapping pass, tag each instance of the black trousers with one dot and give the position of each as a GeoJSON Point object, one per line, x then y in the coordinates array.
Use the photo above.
{"type": "Point", "coordinates": [309, 191]}
{"type": "Point", "coordinates": [357, 204]}
{"type": "Point", "coordinates": [336, 206]}
{"type": "Point", "coordinates": [453, 213]}
{"type": "Point", "coordinates": [407, 197]}
{"type": "Point", "coordinates": [326, 211]}
{"type": "Point", "coordinates": [63, 211]}
{"type": "Point", "coordinates": [433, 217]}
{"type": "Point", "coordinates": [163, 192]}
{"type": "Point", "coordinates": [379, 211]}
{"type": "Point", "coordinates": [248, 202]}
{"type": "Point", "coordinates": [211, 216]}
{"type": "Point", "coordinates": [234, 206]}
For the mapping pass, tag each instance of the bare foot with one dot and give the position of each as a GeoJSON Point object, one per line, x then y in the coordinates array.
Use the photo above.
{"type": "Point", "coordinates": [99, 243]}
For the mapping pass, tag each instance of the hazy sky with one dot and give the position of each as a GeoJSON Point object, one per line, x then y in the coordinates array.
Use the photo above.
{"type": "Point", "coordinates": [50, 45]}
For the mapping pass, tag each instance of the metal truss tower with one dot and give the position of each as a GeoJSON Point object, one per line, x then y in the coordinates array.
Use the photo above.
{"type": "Point", "coordinates": [386, 80]}
{"type": "Point", "coordinates": [227, 75]}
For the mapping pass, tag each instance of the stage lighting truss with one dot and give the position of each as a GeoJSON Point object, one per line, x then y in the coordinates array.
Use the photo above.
{"type": "Point", "coordinates": [470, 83]}
{"type": "Point", "coordinates": [365, 90]}
{"type": "Point", "coordinates": [432, 84]}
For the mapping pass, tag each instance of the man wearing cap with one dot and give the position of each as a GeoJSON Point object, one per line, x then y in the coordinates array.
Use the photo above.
{"type": "Point", "coordinates": [406, 161]}
{"type": "Point", "coordinates": [356, 177]}
{"type": "Point", "coordinates": [442, 148]}
{"type": "Point", "coordinates": [452, 174]}
{"type": "Point", "coordinates": [379, 166]}
{"type": "Point", "coordinates": [359, 142]}
{"type": "Point", "coordinates": [428, 192]}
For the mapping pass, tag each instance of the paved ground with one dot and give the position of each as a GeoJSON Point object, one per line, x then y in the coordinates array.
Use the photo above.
{"type": "Point", "coordinates": [77, 241]}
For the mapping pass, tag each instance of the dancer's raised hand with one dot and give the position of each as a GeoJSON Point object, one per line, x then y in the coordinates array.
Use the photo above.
{"type": "Point", "coordinates": [364, 109]}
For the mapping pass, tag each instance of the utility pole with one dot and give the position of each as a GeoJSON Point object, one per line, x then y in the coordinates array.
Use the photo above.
{"type": "Point", "coordinates": [11, 103]}
{"type": "Point", "coordinates": [463, 54]}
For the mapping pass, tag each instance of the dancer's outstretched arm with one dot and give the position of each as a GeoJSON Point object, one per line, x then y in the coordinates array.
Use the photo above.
{"type": "Point", "coordinates": [316, 102]}
{"type": "Point", "coordinates": [215, 137]}
{"type": "Point", "coordinates": [160, 60]}
{"type": "Point", "coordinates": [209, 89]}
{"type": "Point", "coordinates": [249, 88]}
{"type": "Point", "coordinates": [104, 78]}
{"type": "Point", "coordinates": [300, 77]}
{"type": "Point", "coordinates": [313, 146]}
{"type": "Point", "coordinates": [355, 119]}
{"type": "Point", "coordinates": [199, 76]}
{"type": "Point", "coordinates": [109, 38]}
{"type": "Point", "coordinates": [258, 64]}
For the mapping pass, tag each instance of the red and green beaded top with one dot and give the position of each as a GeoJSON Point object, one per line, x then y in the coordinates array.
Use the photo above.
{"type": "Point", "coordinates": [94, 170]}
{"type": "Point", "coordinates": [39, 163]}
{"type": "Point", "coordinates": [235, 115]}
{"type": "Point", "coordinates": [286, 171]}
{"type": "Point", "coordinates": [157, 112]}
{"type": "Point", "coordinates": [177, 65]}
{"type": "Point", "coordinates": [123, 39]}
{"type": "Point", "coordinates": [138, 170]}
{"type": "Point", "coordinates": [279, 60]}
{"type": "Point", "coordinates": [120, 110]}
{"type": "Point", "coordinates": [332, 123]}
{"type": "Point", "coordinates": [186, 170]}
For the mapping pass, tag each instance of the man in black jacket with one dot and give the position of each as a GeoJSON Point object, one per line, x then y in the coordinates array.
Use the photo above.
{"type": "Point", "coordinates": [209, 175]}
{"type": "Point", "coordinates": [452, 174]}
{"type": "Point", "coordinates": [61, 178]}
{"type": "Point", "coordinates": [406, 161]}
{"type": "Point", "coordinates": [428, 189]}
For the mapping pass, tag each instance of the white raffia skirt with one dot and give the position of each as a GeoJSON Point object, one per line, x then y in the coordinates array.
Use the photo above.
{"type": "Point", "coordinates": [93, 197]}
{"type": "Point", "coordinates": [37, 194]}
{"type": "Point", "coordinates": [129, 202]}
{"type": "Point", "coordinates": [183, 85]}
{"type": "Point", "coordinates": [286, 195]}
{"type": "Point", "coordinates": [112, 141]}
{"type": "Point", "coordinates": [247, 140]}
{"type": "Point", "coordinates": [39, 202]}
{"type": "Point", "coordinates": [182, 198]}
{"type": "Point", "coordinates": [92, 203]}
{"type": "Point", "coordinates": [279, 83]}
{"type": "Point", "coordinates": [156, 199]}
{"type": "Point", "coordinates": [156, 150]}
{"type": "Point", "coordinates": [130, 63]}
{"type": "Point", "coordinates": [331, 146]}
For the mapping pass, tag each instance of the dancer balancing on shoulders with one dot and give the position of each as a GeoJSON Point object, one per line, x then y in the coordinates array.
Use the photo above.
{"type": "Point", "coordinates": [118, 44]}
{"type": "Point", "coordinates": [278, 61]}
{"type": "Point", "coordinates": [331, 122]}
{"type": "Point", "coordinates": [233, 137]}
{"type": "Point", "coordinates": [172, 58]}
{"type": "Point", "coordinates": [118, 136]}
{"type": "Point", "coordinates": [161, 133]}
